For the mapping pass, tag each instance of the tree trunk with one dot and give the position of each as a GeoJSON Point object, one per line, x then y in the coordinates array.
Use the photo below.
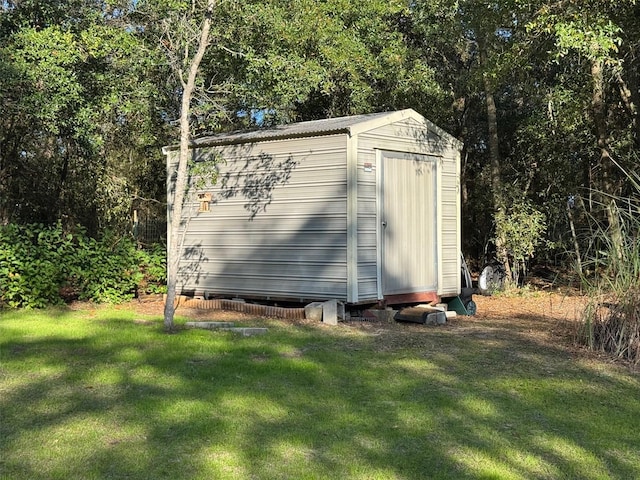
{"type": "Point", "coordinates": [607, 188]}
{"type": "Point", "coordinates": [629, 86]}
{"type": "Point", "coordinates": [574, 237]}
{"type": "Point", "coordinates": [174, 246]}
{"type": "Point", "coordinates": [497, 188]}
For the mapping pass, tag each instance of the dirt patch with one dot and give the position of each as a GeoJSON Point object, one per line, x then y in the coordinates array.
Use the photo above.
{"type": "Point", "coordinates": [544, 316]}
{"type": "Point", "coordinates": [546, 320]}
{"type": "Point", "coordinates": [155, 307]}
{"type": "Point", "coordinates": [538, 314]}
{"type": "Point", "coordinates": [549, 320]}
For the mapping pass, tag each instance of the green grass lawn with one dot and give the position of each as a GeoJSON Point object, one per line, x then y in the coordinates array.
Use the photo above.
{"type": "Point", "coordinates": [98, 394]}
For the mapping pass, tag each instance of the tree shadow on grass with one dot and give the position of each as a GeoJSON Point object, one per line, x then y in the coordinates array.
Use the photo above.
{"type": "Point", "coordinates": [124, 400]}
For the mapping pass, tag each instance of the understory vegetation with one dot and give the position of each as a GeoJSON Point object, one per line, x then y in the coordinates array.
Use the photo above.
{"type": "Point", "coordinates": [45, 265]}
{"type": "Point", "coordinates": [612, 319]}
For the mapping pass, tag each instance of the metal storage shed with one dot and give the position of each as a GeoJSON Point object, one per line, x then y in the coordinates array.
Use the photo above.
{"type": "Point", "coordinates": [359, 209]}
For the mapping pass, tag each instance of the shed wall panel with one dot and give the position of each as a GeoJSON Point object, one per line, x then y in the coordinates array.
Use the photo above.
{"type": "Point", "coordinates": [450, 238]}
{"type": "Point", "coordinates": [410, 137]}
{"type": "Point", "coordinates": [276, 224]}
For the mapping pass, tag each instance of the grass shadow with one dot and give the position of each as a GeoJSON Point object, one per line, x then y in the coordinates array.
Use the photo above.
{"type": "Point", "coordinates": [99, 396]}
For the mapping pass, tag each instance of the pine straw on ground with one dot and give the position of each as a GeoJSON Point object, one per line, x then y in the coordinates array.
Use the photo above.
{"type": "Point", "coordinates": [546, 318]}
{"type": "Point", "coordinates": [543, 307]}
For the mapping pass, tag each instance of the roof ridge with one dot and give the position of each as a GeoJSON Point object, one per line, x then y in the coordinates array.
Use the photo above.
{"type": "Point", "coordinates": [353, 124]}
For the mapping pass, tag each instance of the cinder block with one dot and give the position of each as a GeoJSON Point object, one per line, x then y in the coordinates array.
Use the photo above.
{"type": "Point", "coordinates": [210, 325]}
{"type": "Point", "coordinates": [330, 312]}
{"type": "Point", "coordinates": [436, 318]}
{"type": "Point", "coordinates": [313, 311]}
{"type": "Point", "coordinates": [387, 315]}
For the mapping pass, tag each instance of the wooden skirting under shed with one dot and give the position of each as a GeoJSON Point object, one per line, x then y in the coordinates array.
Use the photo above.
{"type": "Point", "coordinates": [417, 297]}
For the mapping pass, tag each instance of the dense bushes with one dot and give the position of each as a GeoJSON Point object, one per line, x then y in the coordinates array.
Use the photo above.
{"type": "Point", "coordinates": [42, 265]}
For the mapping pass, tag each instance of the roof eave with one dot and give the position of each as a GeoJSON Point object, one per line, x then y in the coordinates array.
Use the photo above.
{"type": "Point", "coordinates": [214, 142]}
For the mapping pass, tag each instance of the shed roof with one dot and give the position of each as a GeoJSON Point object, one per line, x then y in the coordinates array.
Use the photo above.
{"type": "Point", "coordinates": [352, 125]}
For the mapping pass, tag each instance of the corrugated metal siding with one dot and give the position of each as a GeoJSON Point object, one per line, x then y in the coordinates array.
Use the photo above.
{"type": "Point", "coordinates": [450, 237]}
{"type": "Point", "coordinates": [409, 211]}
{"type": "Point", "coordinates": [276, 225]}
{"type": "Point", "coordinates": [412, 137]}
{"type": "Point", "coordinates": [407, 136]}
{"type": "Point", "coordinates": [367, 225]}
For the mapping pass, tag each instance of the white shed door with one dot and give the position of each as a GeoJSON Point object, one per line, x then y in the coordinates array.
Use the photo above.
{"type": "Point", "coordinates": [408, 222]}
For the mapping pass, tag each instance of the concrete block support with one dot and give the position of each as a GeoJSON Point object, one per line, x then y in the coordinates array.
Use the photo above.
{"type": "Point", "coordinates": [330, 312]}
{"type": "Point", "coordinates": [313, 311]}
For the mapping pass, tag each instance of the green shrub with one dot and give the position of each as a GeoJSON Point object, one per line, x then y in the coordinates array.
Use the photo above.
{"type": "Point", "coordinates": [40, 266]}
{"type": "Point", "coordinates": [521, 229]}
{"type": "Point", "coordinates": [106, 269]}
{"type": "Point", "coordinates": [34, 263]}
{"type": "Point", "coordinates": [153, 267]}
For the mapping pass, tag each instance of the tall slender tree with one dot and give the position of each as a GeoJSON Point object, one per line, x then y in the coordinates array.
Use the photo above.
{"type": "Point", "coordinates": [187, 70]}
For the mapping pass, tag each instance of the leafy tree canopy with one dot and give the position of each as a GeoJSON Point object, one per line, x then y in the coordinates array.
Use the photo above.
{"type": "Point", "coordinates": [91, 90]}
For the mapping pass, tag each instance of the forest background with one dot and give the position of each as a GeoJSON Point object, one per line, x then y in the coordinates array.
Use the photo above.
{"type": "Point", "coordinates": [544, 96]}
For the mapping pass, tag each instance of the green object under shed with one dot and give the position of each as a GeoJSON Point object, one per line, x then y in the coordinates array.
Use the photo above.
{"type": "Point", "coordinates": [456, 305]}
